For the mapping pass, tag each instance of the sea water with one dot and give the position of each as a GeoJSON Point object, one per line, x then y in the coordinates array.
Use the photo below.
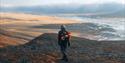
{"type": "Point", "coordinates": [109, 28]}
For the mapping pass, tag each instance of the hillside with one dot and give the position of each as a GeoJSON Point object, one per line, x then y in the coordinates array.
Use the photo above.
{"type": "Point", "coordinates": [16, 28]}
{"type": "Point", "coordinates": [8, 38]}
{"type": "Point", "coordinates": [44, 49]}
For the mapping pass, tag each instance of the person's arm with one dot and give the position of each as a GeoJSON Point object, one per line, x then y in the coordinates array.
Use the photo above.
{"type": "Point", "coordinates": [69, 36]}
{"type": "Point", "coordinates": [68, 42]}
{"type": "Point", "coordinates": [59, 38]}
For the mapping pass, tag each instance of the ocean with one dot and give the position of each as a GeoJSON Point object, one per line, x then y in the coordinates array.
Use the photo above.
{"type": "Point", "coordinates": [99, 28]}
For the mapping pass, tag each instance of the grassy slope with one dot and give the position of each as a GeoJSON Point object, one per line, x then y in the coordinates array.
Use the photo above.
{"type": "Point", "coordinates": [44, 49]}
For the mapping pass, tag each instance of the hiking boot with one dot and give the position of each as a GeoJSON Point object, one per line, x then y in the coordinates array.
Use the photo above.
{"type": "Point", "coordinates": [66, 60]}
{"type": "Point", "coordinates": [63, 59]}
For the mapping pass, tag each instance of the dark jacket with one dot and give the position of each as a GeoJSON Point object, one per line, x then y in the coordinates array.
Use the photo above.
{"type": "Point", "coordinates": [64, 38]}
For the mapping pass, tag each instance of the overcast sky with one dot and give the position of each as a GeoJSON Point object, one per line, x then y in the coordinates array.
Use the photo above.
{"type": "Point", "coordinates": [9, 3]}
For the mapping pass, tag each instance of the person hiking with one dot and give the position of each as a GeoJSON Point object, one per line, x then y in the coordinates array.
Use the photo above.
{"type": "Point", "coordinates": [63, 41]}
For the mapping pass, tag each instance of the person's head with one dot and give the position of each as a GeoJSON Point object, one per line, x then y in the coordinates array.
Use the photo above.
{"type": "Point", "coordinates": [63, 27]}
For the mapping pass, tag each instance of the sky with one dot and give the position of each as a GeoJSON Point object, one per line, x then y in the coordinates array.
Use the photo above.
{"type": "Point", "coordinates": [11, 3]}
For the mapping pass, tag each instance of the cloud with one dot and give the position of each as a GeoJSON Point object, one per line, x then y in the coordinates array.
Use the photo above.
{"type": "Point", "coordinates": [9, 3]}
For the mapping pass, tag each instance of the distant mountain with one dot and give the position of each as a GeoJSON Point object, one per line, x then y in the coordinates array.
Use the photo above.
{"type": "Point", "coordinates": [107, 8]}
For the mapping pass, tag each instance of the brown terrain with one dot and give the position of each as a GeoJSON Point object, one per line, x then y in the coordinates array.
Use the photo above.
{"type": "Point", "coordinates": [15, 28]}
{"type": "Point", "coordinates": [22, 42]}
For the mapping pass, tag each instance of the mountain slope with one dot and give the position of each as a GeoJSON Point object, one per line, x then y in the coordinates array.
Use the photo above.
{"type": "Point", "coordinates": [44, 49]}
